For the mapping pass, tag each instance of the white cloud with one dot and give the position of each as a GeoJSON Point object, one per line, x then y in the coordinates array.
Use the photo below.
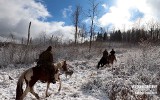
{"type": "Point", "coordinates": [104, 6]}
{"type": "Point", "coordinates": [67, 11]}
{"type": "Point", "coordinates": [120, 14]}
{"type": "Point", "coordinates": [15, 16]}
{"type": "Point", "coordinates": [115, 17]}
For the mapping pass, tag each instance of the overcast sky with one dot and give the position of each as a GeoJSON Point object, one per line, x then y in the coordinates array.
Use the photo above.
{"type": "Point", "coordinates": [54, 16]}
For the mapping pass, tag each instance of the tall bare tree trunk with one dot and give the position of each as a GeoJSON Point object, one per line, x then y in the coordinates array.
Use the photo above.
{"type": "Point", "coordinates": [91, 36]}
{"type": "Point", "coordinates": [76, 33]}
{"type": "Point", "coordinates": [28, 40]}
{"type": "Point", "coordinates": [92, 14]}
{"type": "Point", "coordinates": [76, 18]}
{"type": "Point", "coordinates": [26, 56]}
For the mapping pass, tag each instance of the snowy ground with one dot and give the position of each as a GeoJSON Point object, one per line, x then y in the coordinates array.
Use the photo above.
{"type": "Point", "coordinates": [72, 88]}
{"type": "Point", "coordinates": [87, 83]}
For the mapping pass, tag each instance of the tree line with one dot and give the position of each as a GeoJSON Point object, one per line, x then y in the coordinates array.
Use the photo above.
{"type": "Point", "coordinates": [130, 36]}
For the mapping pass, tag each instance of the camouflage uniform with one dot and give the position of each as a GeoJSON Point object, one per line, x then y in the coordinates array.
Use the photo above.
{"type": "Point", "coordinates": [112, 52]}
{"type": "Point", "coordinates": [46, 60]}
{"type": "Point", "coordinates": [105, 53]}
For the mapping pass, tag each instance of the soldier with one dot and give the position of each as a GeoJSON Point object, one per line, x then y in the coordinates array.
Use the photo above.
{"type": "Point", "coordinates": [104, 60]}
{"type": "Point", "coordinates": [112, 57]}
{"type": "Point", "coordinates": [46, 59]}
{"type": "Point", "coordinates": [112, 52]}
{"type": "Point", "coordinates": [105, 53]}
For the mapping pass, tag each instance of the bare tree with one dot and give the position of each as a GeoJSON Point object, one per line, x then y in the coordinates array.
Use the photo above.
{"type": "Point", "coordinates": [76, 20]}
{"type": "Point", "coordinates": [43, 37]}
{"type": "Point", "coordinates": [51, 40]}
{"type": "Point", "coordinates": [28, 42]}
{"type": "Point", "coordinates": [92, 15]}
{"type": "Point", "coordinates": [83, 32]}
{"type": "Point", "coordinates": [29, 34]}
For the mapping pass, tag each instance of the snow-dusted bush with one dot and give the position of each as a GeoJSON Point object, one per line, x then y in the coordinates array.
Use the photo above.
{"type": "Point", "coordinates": [138, 66]}
{"type": "Point", "coordinates": [142, 66]}
{"type": "Point", "coordinates": [22, 54]}
{"type": "Point", "coordinates": [17, 54]}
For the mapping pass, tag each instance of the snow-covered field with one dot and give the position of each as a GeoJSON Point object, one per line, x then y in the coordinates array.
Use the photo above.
{"type": "Point", "coordinates": [73, 88]}
{"type": "Point", "coordinates": [88, 83]}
